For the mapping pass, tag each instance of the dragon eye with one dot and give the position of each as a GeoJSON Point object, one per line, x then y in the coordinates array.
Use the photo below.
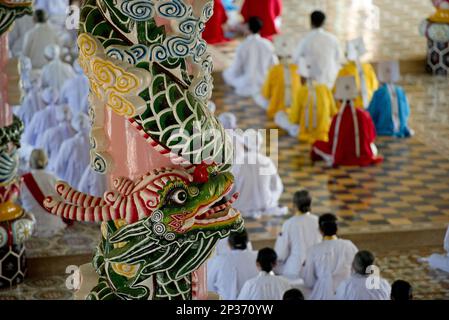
{"type": "Point", "coordinates": [179, 196]}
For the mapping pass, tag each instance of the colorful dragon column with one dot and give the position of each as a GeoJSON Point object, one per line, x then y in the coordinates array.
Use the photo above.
{"type": "Point", "coordinates": [167, 156]}
{"type": "Point", "coordinates": [15, 225]}
{"type": "Point", "coordinates": [436, 30]}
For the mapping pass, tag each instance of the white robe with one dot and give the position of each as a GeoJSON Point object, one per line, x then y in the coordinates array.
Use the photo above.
{"type": "Point", "coordinates": [31, 104]}
{"type": "Point", "coordinates": [93, 183]}
{"type": "Point", "coordinates": [324, 49]}
{"type": "Point", "coordinates": [439, 261]}
{"type": "Point", "coordinates": [47, 224]}
{"type": "Point", "coordinates": [265, 286]}
{"type": "Point", "coordinates": [357, 288]}
{"type": "Point", "coordinates": [56, 73]}
{"type": "Point", "coordinates": [75, 92]}
{"type": "Point", "coordinates": [35, 42]}
{"type": "Point", "coordinates": [299, 234]}
{"type": "Point", "coordinates": [259, 192]}
{"type": "Point", "coordinates": [17, 35]}
{"type": "Point", "coordinates": [228, 273]}
{"type": "Point", "coordinates": [52, 139]}
{"type": "Point", "coordinates": [73, 158]}
{"type": "Point", "coordinates": [253, 59]}
{"type": "Point", "coordinates": [327, 265]}
{"type": "Point", "coordinates": [42, 121]}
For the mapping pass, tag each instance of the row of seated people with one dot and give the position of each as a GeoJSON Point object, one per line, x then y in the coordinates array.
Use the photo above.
{"type": "Point", "coordinates": [54, 112]}
{"type": "Point", "coordinates": [307, 108]}
{"type": "Point", "coordinates": [309, 257]}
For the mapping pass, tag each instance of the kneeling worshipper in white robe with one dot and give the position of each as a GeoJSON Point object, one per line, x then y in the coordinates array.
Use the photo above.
{"type": "Point", "coordinates": [74, 154]}
{"type": "Point", "coordinates": [38, 38]}
{"type": "Point", "coordinates": [441, 261]}
{"type": "Point", "coordinates": [253, 59]}
{"type": "Point", "coordinates": [329, 262]}
{"type": "Point", "coordinates": [56, 9]}
{"type": "Point", "coordinates": [231, 270]}
{"type": "Point", "coordinates": [364, 283]}
{"type": "Point", "coordinates": [299, 233]}
{"type": "Point", "coordinates": [258, 182]}
{"type": "Point", "coordinates": [75, 91]}
{"type": "Point", "coordinates": [36, 185]}
{"type": "Point", "coordinates": [43, 119]}
{"type": "Point", "coordinates": [93, 183]}
{"type": "Point", "coordinates": [266, 285]}
{"type": "Point", "coordinates": [57, 71]}
{"type": "Point", "coordinates": [52, 139]}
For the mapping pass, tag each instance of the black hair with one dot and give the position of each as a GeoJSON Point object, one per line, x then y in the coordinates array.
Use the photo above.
{"type": "Point", "coordinates": [401, 291]}
{"type": "Point", "coordinates": [293, 295]}
{"type": "Point", "coordinates": [40, 16]}
{"type": "Point", "coordinates": [255, 24]}
{"type": "Point", "coordinates": [328, 224]}
{"type": "Point", "coordinates": [302, 201]}
{"type": "Point", "coordinates": [238, 240]}
{"type": "Point", "coordinates": [317, 19]}
{"type": "Point", "coordinates": [267, 258]}
{"type": "Point", "coordinates": [362, 260]}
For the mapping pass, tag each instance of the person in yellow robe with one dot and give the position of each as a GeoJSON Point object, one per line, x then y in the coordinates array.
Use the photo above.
{"type": "Point", "coordinates": [282, 81]}
{"type": "Point", "coordinates": [312, 109]}
{"type": "Point", "coordinates": [364, 73]}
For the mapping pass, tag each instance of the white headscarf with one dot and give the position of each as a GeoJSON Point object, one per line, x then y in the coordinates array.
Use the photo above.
{"type": "Point", "coordinates": [52, 52]}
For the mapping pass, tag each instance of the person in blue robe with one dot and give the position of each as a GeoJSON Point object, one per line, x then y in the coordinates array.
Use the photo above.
{"type": "Point", "coordinates": [389, 107]}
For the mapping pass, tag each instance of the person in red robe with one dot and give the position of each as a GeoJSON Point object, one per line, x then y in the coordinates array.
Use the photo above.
{"type": "Point", "coordinates": [269, 11]}
{"type": "Point", "coordinates": [351, 139]}
{"type": "Point", "coordinates": [213, 32]}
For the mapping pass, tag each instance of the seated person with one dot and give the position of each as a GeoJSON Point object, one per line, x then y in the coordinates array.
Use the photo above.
{"type": "Point", "coordinates": [267, 285]}
{"type": "Point", "coordinates": [74, 155]}
{"type": "Point", "coordinates": [52, 139]}
{"type": "Point", "coordinates": [257, 180]}
{"type": "Point", "coordinates": [360, 286]}
{"type": "Point", "coordinates": [328, 263]}
{"type": "Point", "coordinates": [299, 233]}
{"type": "Point", "coordinates": [44, 119]}
{"type": "Point", "coordinates": [213, 32]}
{"type": "Point", "coordinates": [253, 59]}
{"type": "Point", "coordinates": [401, 291]}
{"type": "Point", "coordinates": [312, 109]}
{"type": "Point", "coordinates": [36, 185]}
{"type": "Point", "coordinates": [389, 107]}
{"type": "Point", "coordinates": [269, 11]}
{"type": "Point", "coordinates": [293, 295]}
{"type": "Point", "coordinates": [363, 73]}
{"type": "Point", "coordinates": [227, 273]}
{"type": "Point", "coordinates": [75, 91]}
{"type": "Point", "coordinates": [282, 81]}
{"type": "Point", "coordinates": [56, 72]}
{"type": "Point", "coordinates": [352, 133]}
{"type": "Point", "coordinates": [441, 261]}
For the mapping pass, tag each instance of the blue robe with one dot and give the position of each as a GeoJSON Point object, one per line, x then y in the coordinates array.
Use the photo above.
{"type": "Point", "coordinates": [381, 110]}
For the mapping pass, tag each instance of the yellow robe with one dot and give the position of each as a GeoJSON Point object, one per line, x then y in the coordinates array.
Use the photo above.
{"type": "Point", "coordinates": [372, 84]}
{"type": "Point", "coordinates": [274, 88]}
{"type": "Point", "coordinates": [316, 125]}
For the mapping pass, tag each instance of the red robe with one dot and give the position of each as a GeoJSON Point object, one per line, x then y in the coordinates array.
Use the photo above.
{"type": "Point", "coordinates": [213, 32]}
{"type": "Point", "coordinates": [345, 152]}
{"type": "Point", "coordinates": [267, 10]}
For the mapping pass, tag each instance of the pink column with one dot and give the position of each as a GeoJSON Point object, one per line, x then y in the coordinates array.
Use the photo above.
{"type": "Point", "coordinates": [5, 109]}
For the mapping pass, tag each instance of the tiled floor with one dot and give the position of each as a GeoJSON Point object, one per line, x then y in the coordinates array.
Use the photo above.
{"type": "Point", "coordinates": [393, 265]}
{"type": "Point", "coordinates": [409, 190]}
